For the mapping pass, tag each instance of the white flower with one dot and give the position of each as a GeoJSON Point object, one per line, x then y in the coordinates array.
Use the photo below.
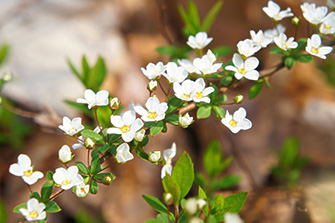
{"type": "Point", "coordinates": [123, 153]}
{"type": "Point", "coordinates": [195, 220]}
{"type": "Point", "coordinates": [185, 91]}
{"type": "Point", "coordinates": [82, 190]}
{"type": "Point", "coordinates": [273, 11]}
{"type": "Point", "coordinates": [175, 74]}
{"type": "Point", "coordinates": [35, 210]}
{"type": "Point", "coordinates": [272, 33]}
{"type": "Point", "coordinates": [64, 154]}
{"type": "Point", "coordinates": [191, 206]}
{"type": "Point", "coordinates": [24, 169]}
{"type": "Point", "coordinates": [232, 218]}
{"type": "Point", "coordinates": [201, 91]}
{"type": "Point", "coordinates": [206, 65]}
{"type": "Point", "coordinates": [71, 127]}
{"type": "Point", "coordinates": [139, 135]}
{"type": "Point", "coordinates": [201, 203]}
{"type": "Point", "coordinates": [67, 178]}
{"type": "Point", "coordinates": [185, 121]}
{"type": "Point", "coordinates": [81, 140]}
{"type": "Point", "coordinates": [127, 125]}
{"type": "Point", "coordinates": [314, 47]}
{"type": "Point", "coordinates": [246, 48]}
{"type": "Point", "coordinates": [328, 26]}
{"type": "Point", "coordinates": [154, 156]}
{"type": "Point", "coordinates": [188, 66]}
{"type": "Point", "coordinates": [152, 85]}
{"type": "Point", "coordinates": [92, 99]}
{"type": "Point", "coordinates": [168, 154]}
{"type": "Point", "coordinates": [114, 104]}
{"type": "Point", "coordinates": [244, 68]}
{"type": "Point", "coordinates": [314, 15]}
{"type": "Point", "coordinates": [153, 71]}
{"type": "Point", "coordinates": [283, 43]}
{"type": "Point", "coordinates": [200, 40]}
{"type": "Point", "coordinates": [237, 121]}
{"type": "Point", "coordinates": [260, 39]}
{"type": "Point", "coordinates": [155, 110]}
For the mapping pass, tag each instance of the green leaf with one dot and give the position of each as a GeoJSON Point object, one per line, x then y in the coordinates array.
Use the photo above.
{"type": "Point", "coordinates": [304, 58]}
{"type": "Point", "coordinates": [82, 108]}
{"type": "Point", "coordinates": [52, 207]}
{"type": "Point", "coordinates": [204, 112]}
{"type": "Point", "coordinates": [156, 128]}
{"type": "Point", "coordinates": [218, 206]}
{"type": "Point", "coordinates": [256, 89]}
{"type": "Point", "coordinates": [221, 99]}
{"type": "Point", "coordinates": [18, 207]}
{"type": "Point", "coordinates": [302, 43]}
{"type": "Point", "coordinates": [46, 190]}
{"type": "Point", "coordinates": [188, 24]}
{"type": "Point", "coordinates": [174, 103]}
{"type": "Point", "coordinates": [94, 188]}
{"type": "Point", "coordinates": [173, 119]}
{"type": "Point", "coordinates": [36, 195]}
{"type": "Point", "coordinates": [74, 70]}
{"type": "Point", "coordinates": [210, 17]}
{"type": "Point", "coordinates": [289, 62]}
{"type": "Point", "coordinates": [163, 218]}
{"type": "Point", "coordinates": [225, 182]}
{"type": "Point", "coordinates": [276, 50]}
{"type": "Point", "coordinates": [100, 176]}
{"type": "Point", "coordinates": [171, 187]}
{"type": "Point", "coordinates": [226, 80]}
{"type": "Point", "coordinates": [49, 176]}
{"type": "Point", "coordinates": [86, 69]}
{"type": "Point", "coordinates": [87, 133]}
{"type": "Point", "coordinates": [219, 112]}
{"type": "Point", "coordinates": [289, 152]}
{"type": "Point", "coordinates": [82, 168]}
{"type": "Point", "coordinates": [155, 203]}
{"type": "Point", "coordinates": [212, 159]}
{"type": "Point", "coordinates": [202, 195]}
{"type": "Point", "coordinates": [183, 174]}
{"type": "Point", "coordinates": [234, 203]}
{"type": "Point", "coordinates": [4, 52]}
{"type": "Point", "coordinates": [95, 165]}
{"type": "Point", "coordinates": [211, 219]}
{"type": "Point", "coordinates": [140, 153]}
{"type": "Point", "coordinates": [97, 75]}
{"type": "Point", "coordinates": [3, 212]}
{"type": "Point", "coordinates": [183, 218]}
{"type": "Point", "coordinates": [223, 51]}
{"type": "Point", "coordinates": [199, 179]}
{"type": "Point", "coordinates": [193, 14]}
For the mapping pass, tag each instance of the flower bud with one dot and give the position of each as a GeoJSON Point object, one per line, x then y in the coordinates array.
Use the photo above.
{"type": "Point", "coordinates": [152, 85]}
{"type": "Point", "coordinates": [155, 156]}
{"type": "Point", "coordinates": [185, 121]}
{"type": "Point", "coordinates": [295, 21]}
{"type": "Point", "coordinates": [114, 103]}
{"type": "Point", "coordinates": [191, 206]}
{"type": "Point", "coordinates": [107, 180]}
{"type": "Point", "coordinates": [238, 99]}
{"type": "Point", "coordinates": [201, 203]}
{"type": "Point", "coordinates": [7, 77]}
{"type": "Point", "coordinates": [64, 154]}
{"type": "Point", "coordinates": [195, 220]}
{"type": "Point", "coordinates": [89, 143]}
{"type": "Point", "coordinates": [168, 198]}
{"type": "Point", "coordinates": [139, 135]}
{"type": "Point", "coordinates": [82, 190]}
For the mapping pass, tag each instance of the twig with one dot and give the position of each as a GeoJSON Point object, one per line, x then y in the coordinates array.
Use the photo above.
{"type": "Point", "coordinates": [187, 108]}
{"type": "Point", "coordinates": [271, 71]}
{"type": "Point", "coordinates": [162, 10]}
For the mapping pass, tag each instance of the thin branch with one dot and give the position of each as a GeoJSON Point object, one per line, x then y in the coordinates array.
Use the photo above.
{"type": "Point", "coordinates": [162, 12]}
{"type": "Point", "coordinates": [271, 71]}
{"type": "Point", "coordinates": [187, 108]}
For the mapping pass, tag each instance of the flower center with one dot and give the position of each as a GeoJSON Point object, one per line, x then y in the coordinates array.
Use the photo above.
{"type": "Point", "coordinates": [125, 129]}
{"type": "Point", "coordinates": [186, 96]}
{"type": "Point", "coordinates": [27, 173]}
{"type": "Point", "coordinates": [315, 50]}
{"type": "Point", "coordinates": [199, 95]}
{"type": "Point", "coordinates": [72, 129]}
{"type": "Point", "coordinates": [327, 27]}
{"type": "Point", "coordinates": [233, 123]}
{"type": "Point", "coordinates": [242, 71]}
{"type": "Point", "coordinates": [285, 45]}
{"type": "Point", "coordinates": [83, 190]}
{"type": "Point", "coordinates": [33, 214]}
{"type": "Point", "coordinates": [152, 115]}
{"type": "Point", "coordinates": [66, 182]}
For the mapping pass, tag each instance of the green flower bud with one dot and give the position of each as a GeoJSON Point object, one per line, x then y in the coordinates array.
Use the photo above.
{"type": "Point", "coordinates": [238, 99]}
{"type": "Point", "coordinates": [107, 180]}
{"type": "Point", "coordinates": [168, 198]}
{"type": "Point", "coordinates": [89, 143]}
{"type": "Point", "coordinates": [152, 86]}
{"type": "Point", "coordinates": [295, 21]}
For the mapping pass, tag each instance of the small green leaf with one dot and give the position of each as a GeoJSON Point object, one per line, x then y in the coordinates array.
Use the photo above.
{"type": "Point", "coordinates": [100, 176]}
{"type": "Point", "coordinates": [36, 195]}
{"type": "Point", "coordinates": [276, 50]}
{"type": "Point", "coordinates": [183, 174]}
{"type": "Point", "coordinates": [212, 159]}
{"type": "Point", "coordinates": [199, 179]}
{"type": "Point", "coordinates": [210, 17]}
{"type": "Point", "coordinates": [49, 176]}
{"type": "Point", "coordinates": [217, 207]}
{"type": "Point", "coordinates": [46, 190]}
{"type": "Point", "coordinates": [193, 14]}
{"type": "Point", "coordinates": [95, 165]}
{"type": "Point", "coordinates": [219, 112]}
{"type": "Point", "coordinates": [155, 203]}
{"type": "Point", "coordinates": [211, 219]}
{"type": "Point", "coordinates": [234, 203]}
{"type": "Point", "coordinates": [289, 62]}
{"type": "Point", "coordinates": [226, 80]}
{"type": "Point", "coordinates": [173, 104]}
{"type": "Point", "coordinates": [97, 75]}
{"type": "Point", "coordinates": [4, 52]}
{"type": "Point", "coordinates": [52, 207]}
{"type": "Point", "coordinates": [225, 182]}
{"type": "Point", "coordinates": [222, 51]}
{"type": "Point", "coordinates": [140, 153]}
{"type": "Point", "coordinates": [171, 187]}
{"type": "Point", "coordinates": [289, 152]}
{"type": "Point", "coordinates": [256, 89]}
{"type": "Point", "coordinates": [204, 112]}
{"type": "Point", "coordinates": [18, 207]}
{"type": "Point", "coordinates": [87, 133]}
{"type": "Point", "coordinates": [302, 43]}
{"type": "Point", "coordinates": [82, 168]}
{"type": "Point", "coordinates": [86, 69]}
{"type": "Point", "coordinates": [79, 107]}
{"type": "Point", "coordinates": [94, 188]}
{"type": "Point", "coordinates": [304, 58]}
{"type": "Point", "coordinates": [156, 128]}
{"type": "Point", "coordinates": [74, 70]}
{"type": "Point", "coordinates": [202, 195]}
{"type": "Point", "coordinates": [173, 119]}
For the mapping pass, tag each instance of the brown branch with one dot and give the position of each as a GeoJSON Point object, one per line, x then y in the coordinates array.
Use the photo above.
{"type": "Point", "coordinates": [54, 195]}
{"type": "Point", "coordinates": [162, 12]}
{"type": "Point", "coordinates": [187, 108]}
{"type": "Point", "coordinates": [271, 71]}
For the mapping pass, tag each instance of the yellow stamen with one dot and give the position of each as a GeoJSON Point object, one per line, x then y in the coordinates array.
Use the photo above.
{"type": "Point", "coordinates": [315, 50]}
{"type": "Point", "coordinates": [233, 123]}
{"type": "Point", "coordinates": [285, 45]}
{"type": "Point", "coordinates": [82, 190]}
{"type": "Point", "coordinates": [199, 95]}
{"type": "Point", "coordinates": [125, 129]}
{"type": "Point", "coordinates": [33, 214]}
{"type": "Point", "coordinates": [327, 27]}
{"type": "Point", "coordinates": [186, 96]}
{"type": "Point", "coordinates": [242, 71]}
{"type": "Point", "coordinates": [27, 173]}
{"type": "Point", "coordinates": [152, 115]}
{"type": "Point", "coordinates": [66, 182]}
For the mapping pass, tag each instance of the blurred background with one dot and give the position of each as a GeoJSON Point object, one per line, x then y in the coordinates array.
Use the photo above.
{"type": "Point", "coordinates": [43, 34]}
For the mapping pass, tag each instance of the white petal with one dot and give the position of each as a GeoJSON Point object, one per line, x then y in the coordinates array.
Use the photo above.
{"type": "Point", "coordinates": [24, 161]}
{"type": "Point", "coordinates": [240, 114]}
{"type": "Point", "coordinates": [152, 104]}
{"type": "Point", "coordinates": [245, 124]}
{"type": "Point", "coordinates": [116, 120]}
{"type": "Point", "coordinates": [16, 170]}
{"type": "Point", "coordinates": [238, 61]}
{"type": "Point", "coordinates": [137, 125]}
{"type": "Point", "coordinates": [140, 110]}
{"type": "Point", "coordinates": [114, 131]}
{"type": "Point", "coordinates": [251, 63]}
{"type": "Point", "coordinates": [128, 117]}
{"type": "Point", "coordinates": [252, 75]}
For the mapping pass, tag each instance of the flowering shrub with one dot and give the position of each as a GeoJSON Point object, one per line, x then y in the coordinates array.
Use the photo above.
{"type": "Point", "coordinates": [202, 84]}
